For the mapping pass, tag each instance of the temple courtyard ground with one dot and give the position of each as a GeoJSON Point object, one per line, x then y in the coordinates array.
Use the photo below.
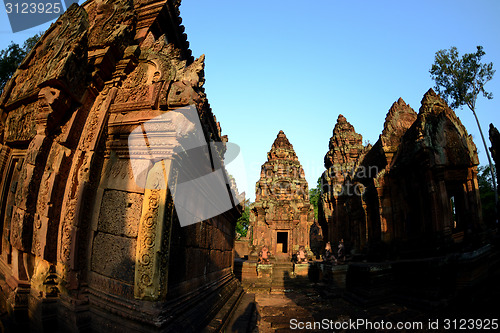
{"type": "Point", "coordinates": [303, 303]}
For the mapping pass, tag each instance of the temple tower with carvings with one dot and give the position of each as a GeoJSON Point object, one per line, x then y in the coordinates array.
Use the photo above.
{"type": "Point", "coordinates": [282, 216]}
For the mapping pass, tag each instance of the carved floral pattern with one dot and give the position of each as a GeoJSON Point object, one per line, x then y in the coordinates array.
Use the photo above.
{"type": "Point", "coordinates": [149, 221]}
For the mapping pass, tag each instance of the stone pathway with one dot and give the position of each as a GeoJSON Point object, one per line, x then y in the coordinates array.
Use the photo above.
{"type": "Point", "coordinates": [274, 312]}
{"type": "Point", "coordinates": [307, 302]}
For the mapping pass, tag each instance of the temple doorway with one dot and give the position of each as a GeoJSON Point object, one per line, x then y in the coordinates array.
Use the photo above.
{"type": "Point", "coordinates": [281, 242]}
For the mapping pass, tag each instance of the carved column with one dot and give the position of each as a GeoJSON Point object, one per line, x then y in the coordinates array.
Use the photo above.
{"type": "Point", "coordinates": [153, 243]}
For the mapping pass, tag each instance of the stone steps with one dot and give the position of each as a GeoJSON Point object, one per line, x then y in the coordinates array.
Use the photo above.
{"type": "Point", "coordinates": [276, 277]}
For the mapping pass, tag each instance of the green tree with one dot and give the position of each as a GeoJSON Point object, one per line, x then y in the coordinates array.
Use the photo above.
{"type": "Point", "coordinates": [486, 193]}
{"type": "Point", "coordinates": [314, 195]}
{"type": "Point", "coordinates": [12, 56]}
{"type": "Point", "coordinates": [244, 220]}
{"type": "Point", "coordinates": [460, 80]}
{"type": "Point", "coordinates": [31, 42]}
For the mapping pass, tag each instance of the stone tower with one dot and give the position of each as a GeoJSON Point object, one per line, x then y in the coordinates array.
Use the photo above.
{"type": "Point", "coordinates": [345, 150]}
{"type": "Point", "coordinates": [92, 123]}
{"type": "Point", "coordinates": [282, 215]}
{"type": "Point", "coordinates": [413, 193]}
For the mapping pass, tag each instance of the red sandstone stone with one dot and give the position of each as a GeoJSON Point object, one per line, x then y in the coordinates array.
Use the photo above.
{"type": "Point", "coordinates": [282, 215]}
{"type": "Point", "coordinates": [417, 184]}
{"type": "Point", "coordinates": [76, 225]}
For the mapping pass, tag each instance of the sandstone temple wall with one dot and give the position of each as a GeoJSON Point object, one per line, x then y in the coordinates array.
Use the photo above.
{"type": "Point", "coordinates": [89, 236]}
{"type": "Point", "coordinates": [414, 193]}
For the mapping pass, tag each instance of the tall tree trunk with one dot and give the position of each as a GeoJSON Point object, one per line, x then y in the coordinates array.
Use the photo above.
{"type": "Point", "coordinates": [493, 178]}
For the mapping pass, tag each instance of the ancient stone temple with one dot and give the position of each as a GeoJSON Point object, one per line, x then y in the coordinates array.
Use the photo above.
{"type": "Point", "coordinates": [94, 123]}
{"type": "Point", "coordinates": [375, 221]}
{"type": "Point", "coordinates": [282, 215]}
{"type": "Point", "coordinates": [341, 160]}
{"type": "Point", "coordinates": [415, 191]}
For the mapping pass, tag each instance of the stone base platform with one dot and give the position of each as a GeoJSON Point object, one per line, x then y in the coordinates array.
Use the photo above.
{"type": "Point", "coordinates": [283, 276]}
{"type": "Point", "coordinates": [461, 285]}
{"type": "Point", "coordinates": [276, 277]}
{"type": "Point", "coordinates": [419, 283]}
{"type": "Point", "coordinates": [423, 283]}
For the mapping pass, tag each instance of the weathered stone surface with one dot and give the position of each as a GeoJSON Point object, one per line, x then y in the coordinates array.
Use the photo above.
{"type": "Point", "coordinates": [114, 256]}
{"type": "Point", "coordinates": [59, 59]}
{"type": "Point", "coordinates": [373, 172]}
{"type": "Point", "coordinates": [85, 208]}
{"type": "Point", "coordinates": [345, 150]}
{"type": "Point", "coordinates": [19, 125]}
{"type": "Point", "coordinates": [397, 121]}
{"type": "Point", "coordinates": [345, 147]}
{"type": "Point", "coordinates": [438, 129]}
{"type": "Point", "coordinates": [282, 215]}
{"type": "Point", "coordinates": [417, 185]}
{"type": "Point", "coordinates": [120, 212]}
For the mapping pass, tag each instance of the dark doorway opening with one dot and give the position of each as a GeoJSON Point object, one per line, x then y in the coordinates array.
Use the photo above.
{"type": "Point", "coordinates": [282, 242]}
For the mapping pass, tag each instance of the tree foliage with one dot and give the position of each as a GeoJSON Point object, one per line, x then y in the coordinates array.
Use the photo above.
{"type": "Point", "coordinates": [31, 42]}
{"type": "Point", "coordinates": [12, 56]}
{"type": "Point", "coordinates": [314, 195]}
{"type": "Point", "coordinates": [243, 221]}
{"type": "Point", "coordinates": [461, 80]}
{"type": "Point", "coordinates": [487, 194]}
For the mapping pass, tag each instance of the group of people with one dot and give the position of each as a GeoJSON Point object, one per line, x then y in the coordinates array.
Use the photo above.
{"type": "Point", "coordinates": [329, 256]}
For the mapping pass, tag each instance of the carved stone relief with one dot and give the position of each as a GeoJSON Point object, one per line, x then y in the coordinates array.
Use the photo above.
{"type": "Point", "coordinates": [154, 235]}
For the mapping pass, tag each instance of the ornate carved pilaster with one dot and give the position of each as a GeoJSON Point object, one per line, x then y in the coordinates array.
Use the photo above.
{"type": "Point", "coordinates": [151, 267]}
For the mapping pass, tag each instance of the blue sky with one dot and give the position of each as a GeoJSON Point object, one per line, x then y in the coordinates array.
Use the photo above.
{"type": "Point", "coordinates": [296, 65]}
